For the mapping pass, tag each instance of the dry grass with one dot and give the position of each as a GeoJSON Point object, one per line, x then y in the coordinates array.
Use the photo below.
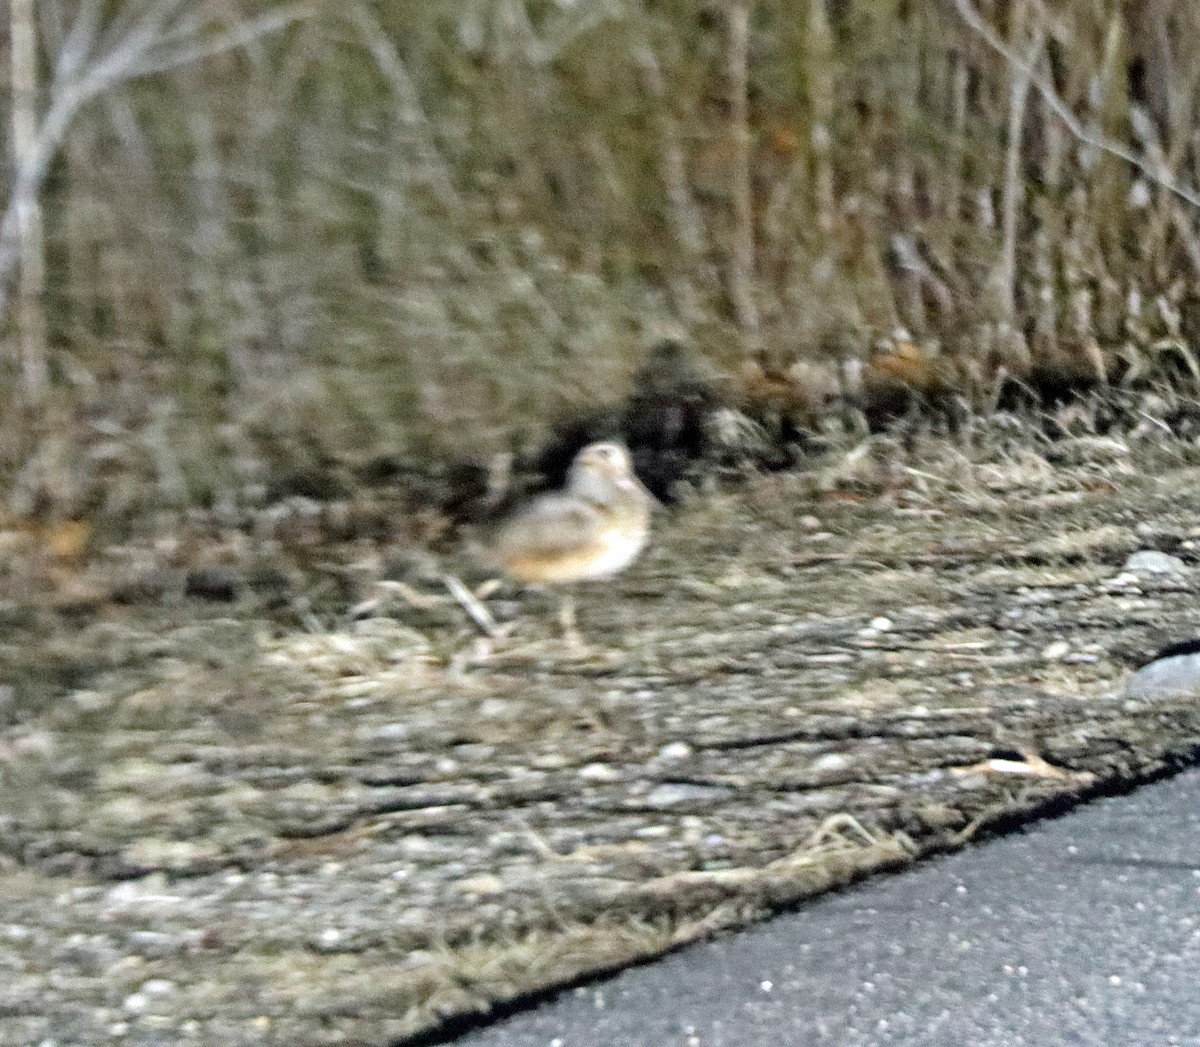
{"type": "Point", "coordinates": [431, 230]}
{"type": "Point", "coordinates": [351, 815]}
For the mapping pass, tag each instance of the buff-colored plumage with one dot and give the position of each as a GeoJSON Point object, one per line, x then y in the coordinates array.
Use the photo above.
{"type": "Point", "coordinates": [592, 528]}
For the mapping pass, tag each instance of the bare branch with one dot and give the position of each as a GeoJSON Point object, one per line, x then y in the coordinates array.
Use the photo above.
{"type": "Point", "coordinates": [80, 39]}
{"type": "Point", "coordinates": [241, 35]}
{"type": "Point", "coordinates": [1087, 136]}
{"type": "Point", "coordinates": [685, 215]}
{"type": "Point", "coordinates": [27, 215]}
{"type": "Point", "coordinates": [438, 178]}
{"type": "Point", "coordinates": [389, 64]}
{"type": "Point", "coordinates": [1006, 269]}
{"type": "Point", "coordinates": [741, 269]}
{"type": "Point", "coordinates": [139, 41]}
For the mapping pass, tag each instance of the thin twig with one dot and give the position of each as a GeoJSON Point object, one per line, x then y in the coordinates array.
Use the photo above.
{"type": "Point", "coordinates": [741, 274]}
{"type": "Point", "coordinates": [1060, 109]}
{"type": "Point", "coordinates": [129, 48]}
{"type": "Point", "coordinates": [1006, 269]}
{"type": "Point", "coordinates": [469, 603]}
{"type": "Point", "coordinates": [685, 214]}
{"type": "Point", "coordinates": [687, 221]}
{"type": "Point", "coordinates": [439, 179]}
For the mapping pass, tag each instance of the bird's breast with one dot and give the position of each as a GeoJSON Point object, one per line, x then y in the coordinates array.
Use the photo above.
{"type": "Point", "coordinates": [616, 551]}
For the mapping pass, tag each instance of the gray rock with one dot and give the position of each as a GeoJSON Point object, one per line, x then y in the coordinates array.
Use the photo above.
{"type": "Point", "coordinates": [1151, 561]}
{"type": "Point", "coordinates": [1166, 678]}
{"type": "Point", "coordinates": [672, 794]}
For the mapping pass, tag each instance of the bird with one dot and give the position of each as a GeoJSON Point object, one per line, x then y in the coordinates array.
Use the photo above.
{"type": "Point", "coordinates": [592, 528]}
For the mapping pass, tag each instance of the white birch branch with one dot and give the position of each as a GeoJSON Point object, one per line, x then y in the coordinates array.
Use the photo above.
{"type": "Point", "coordinates": [94, 59]}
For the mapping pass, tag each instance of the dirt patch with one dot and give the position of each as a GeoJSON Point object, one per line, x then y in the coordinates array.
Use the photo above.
{"type": "Point", "coordinates": [354, 818]}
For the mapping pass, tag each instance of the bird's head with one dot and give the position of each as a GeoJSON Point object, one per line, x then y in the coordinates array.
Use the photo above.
{"type": "Point", "coordinates": [601, 470]}
{"type": "Point", "coordinates": [603, 459]}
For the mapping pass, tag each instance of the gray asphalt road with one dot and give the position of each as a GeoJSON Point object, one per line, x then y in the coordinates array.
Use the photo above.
{"type": "Point", "coordinates": [1083, 930]}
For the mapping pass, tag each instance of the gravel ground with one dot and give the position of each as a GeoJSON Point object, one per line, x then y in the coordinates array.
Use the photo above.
{"type": "Point", "coordinates": [226, 825]}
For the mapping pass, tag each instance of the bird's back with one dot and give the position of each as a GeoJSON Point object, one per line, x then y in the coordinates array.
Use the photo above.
{"type": "Point", "coordinates": [563, 537]}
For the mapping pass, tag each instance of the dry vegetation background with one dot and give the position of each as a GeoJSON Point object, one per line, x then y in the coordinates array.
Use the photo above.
{"type": "Point", "coordinates": [262, 263]}
{"type": "Point", "coordinates": [248, 236]}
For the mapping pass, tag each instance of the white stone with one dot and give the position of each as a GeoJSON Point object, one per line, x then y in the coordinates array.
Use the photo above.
{"type": "Point", "coordinates": [670, 794]}
{"type": "Point", "coordinates": [1056, 651]}
{"type": "Point", "coordinates": [487, 884]}
{"type": "Point", "coordinates": [1151, 561]}
{"type": "Point", "coordinates": [599, 772]}
{"type": "Point", "coordinates": [1124, 580]}
{"type": "Point", "coordinates": [831, 762]}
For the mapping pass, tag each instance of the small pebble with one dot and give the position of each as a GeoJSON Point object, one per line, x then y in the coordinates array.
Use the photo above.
{"type": "Point", "coordinates": [675, 751]}
{"type": "Point", "coordinates": [599, 772]}
{"type": "Point", "coordinates": [487, 884]}
{"type": "Point", "coordinates": [158, 987]}
{"type": "Point", "coordinates": [1124, 580]}
{"type": "Point", "coordinates": [831, 762]}
{"type": "Point", "coordinates": [672, 794]}
{"type": "Point", "coordinates": [1056, 651]}
{"type": "Point", "coordinates": [882, 624]}
{"type": "Point", "coordinates": [490, 708]}
{"type": "Point", "coordinates": [86, 701]}
{"type": "Point", "coordinates": [1151, 561]}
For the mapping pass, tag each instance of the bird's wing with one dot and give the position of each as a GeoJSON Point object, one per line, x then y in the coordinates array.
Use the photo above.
{"type": "Point", "coordinates": [551, 526]}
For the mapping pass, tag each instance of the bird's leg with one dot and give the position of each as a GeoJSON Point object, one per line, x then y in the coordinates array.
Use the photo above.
{"type": "Point", "coordinates": [570, 628]}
